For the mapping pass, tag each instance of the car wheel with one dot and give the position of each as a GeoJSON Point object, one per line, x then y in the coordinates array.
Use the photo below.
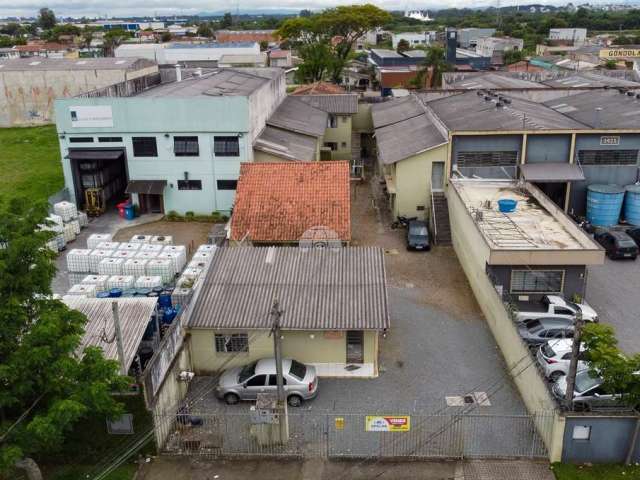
{"type": "Point", "coordinates": [294, 401]}
{"type": "Point", "coordinates": [231, 398]}
{"type": "Point", "coordinates": [555, 376]}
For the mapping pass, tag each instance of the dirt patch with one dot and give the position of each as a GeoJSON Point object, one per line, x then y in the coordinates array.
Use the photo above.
{"type": "Point", "coordinates": [437, 274]}
{"type": "Point", "coordinates": [191, 234]}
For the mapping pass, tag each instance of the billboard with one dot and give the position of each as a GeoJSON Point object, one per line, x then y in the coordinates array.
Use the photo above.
{"type": "Point", "coordinates": [621, 53]}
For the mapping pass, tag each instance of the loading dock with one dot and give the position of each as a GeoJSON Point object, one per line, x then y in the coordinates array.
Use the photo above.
{"type": "Point", "coordinates": [149, 193]}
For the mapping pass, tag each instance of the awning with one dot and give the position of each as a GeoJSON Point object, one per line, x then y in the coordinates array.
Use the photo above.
{"type": "Point", "coordinates": [551, 172]}
{"type": "Point", "coordinates": [94, 154]}
{"type": "Point", "coordinates": [149, 187]}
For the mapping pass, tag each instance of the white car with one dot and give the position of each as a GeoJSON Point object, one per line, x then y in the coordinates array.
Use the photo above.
{"type": "Point", "coordinates": [554, 358]}
{"type": "Point", "coordinates": [555, 306]}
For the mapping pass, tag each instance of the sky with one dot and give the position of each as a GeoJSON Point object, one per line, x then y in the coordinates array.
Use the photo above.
{"type": "Point", "coordinates": [114, 8]}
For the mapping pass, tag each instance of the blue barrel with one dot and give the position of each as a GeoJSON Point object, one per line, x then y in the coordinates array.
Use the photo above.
{"type": "Point", "coordinates": [129, 292]}
{"type": "Point", "coordinates": [102, 295]}
{"type": "Point", "coordinates": [632, 204]}
{"type": "Point", "coordinates": [164, 300]}
{"type": "Point", "coordinates": [129, 212]}
{"type": "Point", "coordinates": [604, 204]}
{"type": "Point", "coordinates": [158, 290]}
{"type": "Point", "coordinates": [169, 315]}
{"type": "Point", "coordinates": [115, 292]}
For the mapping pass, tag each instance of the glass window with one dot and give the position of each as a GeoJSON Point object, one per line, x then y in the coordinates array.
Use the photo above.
{"type": "Point", "coordinates": [189, 184]}
{"type": "Point", "coordinates": [109, 139]}
{"type": "Point", "coordinates": [145, 147]}
{"type": "Point", "coordinates": [608, 157]}
{"type": "Point", "coordinates": [236, 342]}
{"type": "Point", "coordinates": [297, 370]}
{"type": "Point", "coordinates": [257, 381]}
{"type": "Point", "coordinates": [226, 146]}
{"type": "Point", "coordinates": [247, 372]}
{"type": "Point", "coordinates": [80, 139]}
{"type": "Point", "coordinates": [273, 381]}
{"type": "Point", "coordinates": [186, 146]}
{"type": "Point", "coordinates": [227, 184]}
{"type": "Point", "coordinates": [332, 121]}
{"type": "Point", "coordinates": [537, 281]}
{"type": "Point", "coordinates": [581, 432]}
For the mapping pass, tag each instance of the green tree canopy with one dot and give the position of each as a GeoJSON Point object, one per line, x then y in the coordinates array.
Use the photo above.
{"type": "Point", "coordinates": [227, 20]}
{"type": "Point", "coordinates": [46, 385]}
{"type": "Point", "coordinates": [46, 18]}
{"type": "Point", "coordinates": [403, 46]}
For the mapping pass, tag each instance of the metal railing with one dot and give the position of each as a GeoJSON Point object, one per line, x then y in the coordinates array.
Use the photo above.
{"type": "Point", "coordinates": [124, 89]}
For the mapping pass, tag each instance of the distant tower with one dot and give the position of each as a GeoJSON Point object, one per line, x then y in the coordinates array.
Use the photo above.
{"type": "Point", "coordinates": [451, 43]}
{"type": "Point", "coordinates": [498, 17]}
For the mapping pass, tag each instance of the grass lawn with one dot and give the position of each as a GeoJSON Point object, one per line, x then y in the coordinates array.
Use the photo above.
{"type": "Point", "coordinates": [76, 472]}
{"type": "Point", "coordinates": [596, 472]}
{"type": "Point", "coordinates": [30, 162]}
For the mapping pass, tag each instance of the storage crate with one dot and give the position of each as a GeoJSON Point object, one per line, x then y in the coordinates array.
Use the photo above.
{"type": "Point", "coordinates": [83, 219]}
{"type": "Point", "coordinates": [100, 281]}
{"type": "Point", "coordinates": [96, 238]}
{"type": "Point", "coordinates": [111, 266]}
{"type": "Point", "coordinates": [121, 281]}
{"type": "Point", "coordinates": [178, 259]}
{"type": "Point", "coordinates": [83, 290]}
{"type": "Point", "coordinates": [78, 260]}
{"type": "Point", "coordinates": [66, 210]}
{"type": "Point", "coordinates": [75, 225]}
{"type": "Point", "coordinates": [163, 267]}
{"type": "Point", "coordinates": [149, 281]}
{"type": "Point", "coordinates": [69, 233]}
{"type": "Point", "coordinates": [96, 257]}
{"type": "Point", "coordinates": [135, 266]}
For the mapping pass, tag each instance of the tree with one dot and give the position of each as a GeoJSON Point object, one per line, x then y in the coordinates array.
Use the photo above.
{"type": "Point", "coordinates": [336, 28]}
{"type": "Point", "coordinates": [227, 20]}
{"type": "Point", "coordinates": [46, 19]}
{"type": "Point", "coordinates": [47, 386]}
{"type": "Point", "coordinates": [434, 64]}
{"type": "Point", "coordinates": [611, 65]}
{"type": "Point", "coordinates": [403, 46]}
{"type": "Point", "coordinates": [114, 37]}
{"type": "Point", "coordinates": [205, 30]}
{"type": "Point", "coordinates": [166, 37]}
{"type": "Point", "coordinates": [305, 13]}
{"type": "Point", "coordinates": [316, 62]}
{"type": "Point", "coordinates": [12, 29]}
{"type": "Point", "coordinates": [513, 56]}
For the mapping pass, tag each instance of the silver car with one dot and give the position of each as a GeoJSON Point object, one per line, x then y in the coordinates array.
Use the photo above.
{"type": "Point", "coordinates": [244, 383]}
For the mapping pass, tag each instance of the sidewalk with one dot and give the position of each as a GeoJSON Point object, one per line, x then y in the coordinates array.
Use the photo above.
{"type": "Point", "coordinates": [184, 468]}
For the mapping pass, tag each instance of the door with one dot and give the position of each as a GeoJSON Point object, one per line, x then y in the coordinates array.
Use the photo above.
{"type": "Point", "coordinates": [437, 176]}
{"type": "Point", "coordinates": [254, 386]}
{"type": "Point", "coordinates": [355, 346]}
{"type": "Point", "coordinates": [150, 203]}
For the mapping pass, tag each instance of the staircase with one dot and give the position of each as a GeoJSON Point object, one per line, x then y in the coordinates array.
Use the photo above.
{"type": "Point", "coordinates": [356, 160]}
{"type": "Point", "coordinates": [440, 215]}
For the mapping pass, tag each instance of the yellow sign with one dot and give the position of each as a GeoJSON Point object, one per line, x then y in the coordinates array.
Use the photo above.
{"type": "Point", "coordinates": [339, 423]}
{"type": "Point", "coordinates": [387, 423]}
{"type": "Point", "coordinates": [613, 53]}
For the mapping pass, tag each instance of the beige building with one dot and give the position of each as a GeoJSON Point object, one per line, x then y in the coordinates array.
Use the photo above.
{"type": "Point", "coordinates": [334, 305]}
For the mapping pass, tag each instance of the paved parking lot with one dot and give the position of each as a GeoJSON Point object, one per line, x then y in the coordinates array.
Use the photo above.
{"type": "Point", "coordinates": [438, 345]}
{"type": "Point", "coordinates": [612, 290]}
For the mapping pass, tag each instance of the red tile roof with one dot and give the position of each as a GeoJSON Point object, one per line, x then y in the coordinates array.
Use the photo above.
{"type": "Point", "coordinates": [279, 201]}
{"type": "Point", "coordinates": [280, 53]}
{"type": "Point", "coordinates": [319, 88]}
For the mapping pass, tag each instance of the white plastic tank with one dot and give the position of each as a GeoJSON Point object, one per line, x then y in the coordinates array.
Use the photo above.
{"type": "Point", "coordinates": [126, 254]}
{"type": "Point", "coordinates": [66, 210]}
{"type": "Point", "coordinates": [147, 255]}
{"type": "Point", "coordinates": [83, 290]}
{"type": "Point", "coordinates": [100, 281]}
{"type": "Point", "coordinates": [134, 247]}
{"type": "Point", "coordinates": [69, 232]}
{"type": "Point", "coordinates": [75, 225]}
{"type": "Point", "coordinates": [164, 267]}
{"type": "Point", "coordinates": [108, 245]}
{"type": "Point", "coordinates": [121, 281]}
{"type": "Point", "coordinates": [151, 247]}
{"type": "Point", "coordinates": [95, 238]}
{"type": "Point", "coordinates": [135, 266]}
{"type": "Point", "coordinates": [141, 239]}
{"type": "Point", "coordinates": [149, 281]}
{"type": "Point", "coordinates": [78, 260]}
{"type": "Point", "coordinates": [202, 257]}
{"type": "Point", "coordinates": [96, 257]}
{"type": "Point", "coordinates": [175, 257]}
{"type": "Point", "coordinates": [110, 266]}
{"type": "Point", "coordinates": [207, 248]}
{"type": "Point", "coordinates": [162, 239]}
{"type": "Point", "coordinates": [83, 219]}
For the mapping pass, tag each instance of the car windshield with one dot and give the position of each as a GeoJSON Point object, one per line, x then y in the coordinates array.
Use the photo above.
{"type": "Point", "coordinates": [573, 306]}
{"type": "Point", "coordinates": [247, 372]}
{"type": "Point", "coordinates": [534, 326]}
{"type": "Point", "coordinates": [584, 381]}
{"type": "Point", "coordinates": [298, 370]}
{"type": "Point", "coordinates": [421, 231]}
{"type": "Point", "coordinates": [548, 350]}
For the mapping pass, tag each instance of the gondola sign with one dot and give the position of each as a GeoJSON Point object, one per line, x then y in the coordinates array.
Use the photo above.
{"type": "Point", "coordinates": [388, 423]}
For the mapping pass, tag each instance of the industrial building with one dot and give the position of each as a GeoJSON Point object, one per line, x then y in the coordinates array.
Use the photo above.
{"type": "Point", "coordinates": [203, 54]}
{"type": "Point", "coordinates": [30, 86]}
{"type": "Point", "coordinates": [468, 37]}
{"type": "Point", "coordinates": [575, 36]}
{"type": "Point", "coordinates": [413, 38]}
{"type": "Point", "coordinates": [489, 46]}
{"type": "Point", "coordinates": [177, 146]}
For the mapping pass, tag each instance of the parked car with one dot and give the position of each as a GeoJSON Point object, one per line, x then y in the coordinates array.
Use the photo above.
{"type": "Point", "coordinates": [634, 233]}
{"type": "Point", "coordinates": [554, 357]}
{"type": "Point", "coordinates": [418, 236]}
{"type": "Point", "coordinates": [244, 383]}
{"type": "Point", "coordinates": [617, 244]}
{"type": "Point", "coordinates": [554, 306]}
{"type": "Point", "coordinates": [587, 393]}
{"type": "Point", "coordinates": [540, 330]}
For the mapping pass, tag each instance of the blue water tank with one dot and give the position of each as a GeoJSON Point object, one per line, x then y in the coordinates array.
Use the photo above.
{"type": "Point", "coordinates": [604, 204]}
{"type": "Point", "coordinates": [164, 300]}
{"type": "Point", "coordinates": [115, 292]}
{"type": "Point", "coordinates": [632, 204]}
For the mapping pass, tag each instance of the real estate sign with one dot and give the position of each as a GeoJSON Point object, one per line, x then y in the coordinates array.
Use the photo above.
{"type": "Point", "coordinates": [387, 423]}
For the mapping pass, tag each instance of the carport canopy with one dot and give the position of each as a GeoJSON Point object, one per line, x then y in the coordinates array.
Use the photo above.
{"type": "Point", "coordinates": [551, 172]}
{"type": "Point", "coordinates": [94, 154]}
{"type": "Point", "coordinates": [148, 187]}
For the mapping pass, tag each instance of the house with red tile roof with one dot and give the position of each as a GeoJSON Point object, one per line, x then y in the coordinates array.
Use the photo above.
{"type": "Point", "coordinates": [284, 202]}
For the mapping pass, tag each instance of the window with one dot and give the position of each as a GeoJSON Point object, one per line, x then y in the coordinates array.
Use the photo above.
{"type": "Point", "coordinates": [487, 159]}
{"type": "Point", "coordinates": [257, 381]}
{"type": "Point", "coordinates": [227, 184]}
{"type": "Point", "coordinates": [236, 342]}
{"type": "Point", "coordinates": [189, 184]}
{"type": "Point", "coordinates": [186, 146]}
{"type": "Point", "coordinates": [332, 145]}
{"type": "Point", "coordinates": [273, 381]}
{"type": "Point", "coordinates": [332, 121]}
{"type": "Point", "coordinates": [81, 139]}
{"type": "Point", "coordinates": [145, 147]}
{"type": "Point", "coordinates": [343, 145]}
{"type": "Point", "coordinates": [608, 157]}
{"type": "Point", "coordinates": [298, 370]}
{"type": "Point", "coordinates": [226, 146]}
{"type": "Point", "coordinates": [109, 139]}
{"type": "Point", "coordinates": [581, 432]}
{"type": "Point", "coordinates": [537, 281]}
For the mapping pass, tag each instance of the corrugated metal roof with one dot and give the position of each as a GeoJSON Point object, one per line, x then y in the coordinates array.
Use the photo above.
{"type": "Point", "coordinates": [552, 172]}
{"type": "Point", "coordinates": [318, 289]}
{"type": "Point", "coordinates": [407, 138]}
{"type": "Point", "coordinates": [340, 103]}
{"type": "Point", "coordinates": [134, 314]}
{"type": "Point", "coordinates": [396, 110]}
{"type": "Point", "coordinates": [286, 144]}
{"type": "Point", "coordinates": [66, 64]}
{"type": "Point", "coordinates": [297, 116]}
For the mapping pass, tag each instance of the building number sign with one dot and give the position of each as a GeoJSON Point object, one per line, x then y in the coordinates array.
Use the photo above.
{"type": "Point", "coordinates": [609, 140]}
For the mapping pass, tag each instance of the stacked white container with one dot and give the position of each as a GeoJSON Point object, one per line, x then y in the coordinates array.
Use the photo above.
{"type": "Point", "coordinates": [69, 232]}
{"type": "Point", "coordinates": [162, 239]}
{"type": "Point", "coordinates": [83, 290]}
{"type": "Point", "coordinates": [207, 248]}
{"type": "Point", "coordinates": [66, 210]}
{"type": "Point", "coordinates": [57, 219]}
{"type": "Point", "coordinates": [96, 238]}
{"type": "Point", "coordinates": [149, 281]}
{"type": "Point", "coordinates": [151, 247]}
{"type": "Point", "coordinates": [100, 281]}
{"type": "Point", "coordinates": [147, 255]}
{"type": "Point", "coordinates": [175, 257]}
{"type": "Point", "coordinates": [126, 254]}
{"type": "Point", "coordinates": [192, 273]}
{"type": "Point", "coordinates": [197, 264]}
{"type": "Point", "coordinates": [141, 239]}
{"type": "Point", "coordinates": [134, 247]}
{"type": "Point", "coordinates": [204, 257]}
{"type": "Point", "coordinates": [110, 266]}
{"type": "Point", "coordinates": [181, 296]}
{"type": "Point", "coordinates": [163, 267]}
{"type": "Point", "coordinates": [96, 257]}
{"type": "Point", "coordinates": [135, 266]}
{"type": "Point", "coordinates": [83, 220]}
{"type": "Point", "coordinates": [75, 225]}
{"type": "Point", "coordinates": [120, 281]}
{"type": "Point", "coordinates": [108, 245]}
{"type": "Point", "coordinates": [78, 260]}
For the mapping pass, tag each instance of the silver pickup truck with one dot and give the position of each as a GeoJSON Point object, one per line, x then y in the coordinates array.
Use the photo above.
{"type": "Point", "coordinates": [554, 306]}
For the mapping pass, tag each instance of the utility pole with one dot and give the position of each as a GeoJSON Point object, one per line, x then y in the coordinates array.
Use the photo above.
{"type": "Point", "coordinates": [119, 344]}
{"type": "Point", "coordinates": [573, 364]}
{"type": "Point", "coordinates": [283, 426]}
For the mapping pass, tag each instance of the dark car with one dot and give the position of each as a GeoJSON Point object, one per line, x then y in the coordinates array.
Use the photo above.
{"type": "Point", "coordinates": [418, 236]}
{"type": "Point", "coordinates": [634, 233]}
{"type": "Point", "coordinates": [541, 330]}
{"type": "Point", "coordinates": [617, 244]}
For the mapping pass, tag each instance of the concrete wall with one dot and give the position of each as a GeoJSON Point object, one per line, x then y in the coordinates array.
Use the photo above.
{"type": "Point", "coordinates": [413, 183]}
{"type": "Point", "coordinates": [306, 346]}
{"type": "Point", "coordinates": [342, 136]}
{"type": "Point", "coordinates": [473, 252]}
{"type": "Point", "coordinates": [362, 121]}
{"type": "Point", "coordinates": [609, 441]}
{"type": "Point", "coordinates": [27, 97]}
{"type": "Point", "coordinates": [263, 102]}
